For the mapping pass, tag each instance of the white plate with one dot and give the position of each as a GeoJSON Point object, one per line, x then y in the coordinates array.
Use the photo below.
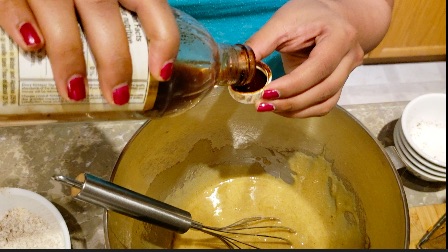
{"type": "Point", "coordinates": [411, 167]}
{"type": "Point", "coordinates": [414, 155]}
{"type": "Point", "coordinates": [423, 124]}
{"type": "Point", "coordinates": [416, 164]}
{"type": "Point", "coordinates": [12, 198]}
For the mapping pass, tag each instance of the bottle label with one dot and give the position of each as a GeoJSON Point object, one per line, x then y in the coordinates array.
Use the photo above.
{"type": "Point", "coordinates": [28, 87]}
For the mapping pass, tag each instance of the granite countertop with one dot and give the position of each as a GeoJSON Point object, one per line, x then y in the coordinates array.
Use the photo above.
{"type": "Point", "coordinates": [31, 154]}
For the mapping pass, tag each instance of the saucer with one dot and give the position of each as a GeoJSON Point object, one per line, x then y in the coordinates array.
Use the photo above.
{"type": "Point", "coordinates": [412, 167]}
{"type": "Point", "coordinates": [414, 155]}
{"type": "Point", "coordinates": [423, 124]}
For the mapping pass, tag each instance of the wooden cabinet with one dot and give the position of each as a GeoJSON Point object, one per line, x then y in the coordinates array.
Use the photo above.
{"type": "Point", "coordinates": [417, 33]}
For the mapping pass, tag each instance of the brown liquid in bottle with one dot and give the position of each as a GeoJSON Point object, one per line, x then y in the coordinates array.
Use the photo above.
{"type": "Point", "coordinates": [189, 84]}
{"type": "Point", "coordinates": [257, 83]}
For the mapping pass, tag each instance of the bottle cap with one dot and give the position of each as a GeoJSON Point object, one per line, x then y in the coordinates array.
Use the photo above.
{"type": "Point", "coordinates": [252, 91]}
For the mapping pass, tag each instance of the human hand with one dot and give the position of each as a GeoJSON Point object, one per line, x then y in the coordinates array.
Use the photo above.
{"type": "Point", "coordinates": [53, 24]}
{"type": "Point", "coordinates": [320, 43]}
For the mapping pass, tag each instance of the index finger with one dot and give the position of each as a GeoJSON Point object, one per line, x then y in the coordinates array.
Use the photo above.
{"type": "Point", "coordinates": [322, 61]}
{"type": "Point", "coordinates": [18, 21]}
{"type": "Point", "coordinates": [160, 26]}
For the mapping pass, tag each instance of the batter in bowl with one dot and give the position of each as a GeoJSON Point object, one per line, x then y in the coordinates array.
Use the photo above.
{"type": "Point", "coordinates": [316, 205]}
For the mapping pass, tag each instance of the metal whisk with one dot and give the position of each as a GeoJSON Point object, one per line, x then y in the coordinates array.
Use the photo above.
{"type": "Point", "coordinates": [92, 189]}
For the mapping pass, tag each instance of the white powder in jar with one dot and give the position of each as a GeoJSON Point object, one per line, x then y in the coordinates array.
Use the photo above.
{"type": "Point", "coordinates": [22, 229]}
{"type": "Point", "coordinates": [430, 137]}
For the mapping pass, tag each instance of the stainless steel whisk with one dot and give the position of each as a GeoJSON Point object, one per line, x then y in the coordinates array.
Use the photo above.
{"type": "Point", "coordinates": [92, 189]}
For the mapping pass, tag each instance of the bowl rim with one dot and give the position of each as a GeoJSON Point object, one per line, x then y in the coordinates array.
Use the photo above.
{"type": "Point", "coordinates": [405, 117]}
{"type": "Point", "coordinates": [5, 192]}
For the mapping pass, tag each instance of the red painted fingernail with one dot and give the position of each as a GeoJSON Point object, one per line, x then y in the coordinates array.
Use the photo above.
{"type": "Point", "coordinates": [29, 35]}
{"type": "Point", "coordinates": [265, 107]}
{"type": "Point", "coordinates": [121, 94]}
{"type": "Point", "coordinates": [167, 70]}
{"type": "Point", "coordinates": [270, 94]}
{"type": "Point", "coordinates": [76, 88]}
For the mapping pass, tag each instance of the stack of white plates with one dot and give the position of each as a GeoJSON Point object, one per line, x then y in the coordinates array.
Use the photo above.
{"type": "Point", "coordinates": [420, 137]}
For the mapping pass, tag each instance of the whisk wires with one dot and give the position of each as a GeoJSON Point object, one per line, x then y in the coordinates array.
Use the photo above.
{"type": "Point", "coordinates": [229, 234]}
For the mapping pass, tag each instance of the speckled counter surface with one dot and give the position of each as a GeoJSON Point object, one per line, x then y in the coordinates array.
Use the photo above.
{"type": "Point", "coordinates": [31, 154]}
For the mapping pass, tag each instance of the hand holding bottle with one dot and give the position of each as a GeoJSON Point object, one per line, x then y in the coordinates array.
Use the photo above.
{"type": "Point", "coordinates": [53, 25]}
{"type": "Point", "coordinates": [320, 43]}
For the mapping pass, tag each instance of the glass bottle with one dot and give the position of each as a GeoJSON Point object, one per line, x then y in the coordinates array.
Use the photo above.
{"type": "Point", "coordinates": [201, 64]}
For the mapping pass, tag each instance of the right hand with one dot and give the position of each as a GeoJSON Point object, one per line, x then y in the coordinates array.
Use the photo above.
{"type": "Point", "coordinates": [53, 25]}
{"type": "Point", "coordinates": [321, 43]}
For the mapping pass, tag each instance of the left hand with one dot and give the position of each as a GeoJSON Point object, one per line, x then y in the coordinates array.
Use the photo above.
{"type": "Point", "coordinates": [54, 25]}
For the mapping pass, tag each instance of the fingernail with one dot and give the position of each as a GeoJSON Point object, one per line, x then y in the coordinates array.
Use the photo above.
{"type": "Point", "coordinates": [29, 35]}
{"type": "Point", "coordinates": [76, 88]}
{"type": "Point", "coordinates": [265, 107]}
{"type": "Point", "coordinates": [121, 94]}
{"type": "Point", "coordinates": [167, 70]}
{"type": "Point", "coordinates": [270, 94]}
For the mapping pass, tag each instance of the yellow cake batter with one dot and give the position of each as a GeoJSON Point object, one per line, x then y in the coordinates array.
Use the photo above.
{"type": "Point", "coordinates": [317, 205]}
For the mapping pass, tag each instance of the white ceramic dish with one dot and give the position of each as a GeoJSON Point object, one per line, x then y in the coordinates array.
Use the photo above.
{"type": "Point", "coordinates": [12, 199]}
{"type": "Point", "coordinates": [423, 124]}
{"type": "Point", "coordinates": [411, 167]}
{"type": "Point", "coordinates": [414, 155]}
{"type": "Point", "coordinates": [416, 164]}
